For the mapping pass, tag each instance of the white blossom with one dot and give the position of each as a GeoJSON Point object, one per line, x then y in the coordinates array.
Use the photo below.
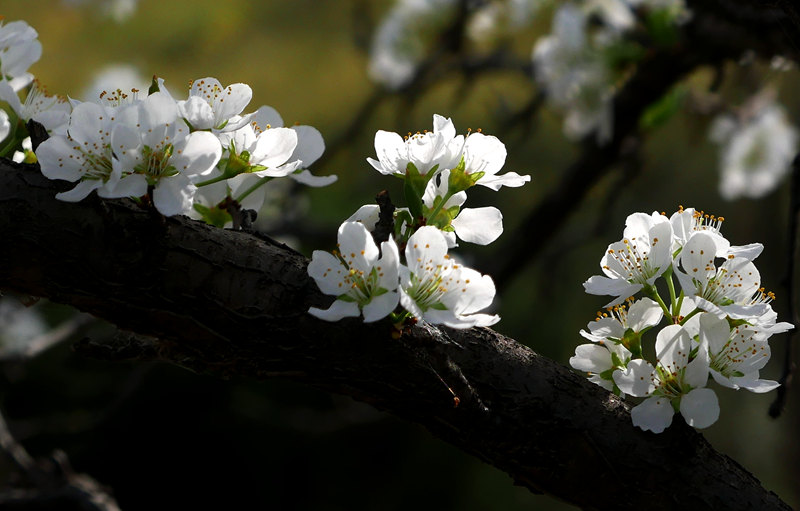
{"type": "Point", "coordinates": [52, 112]}
{"type": "Point", "coordinates": [19, 48]}
{"type": "Point", "coordinates": [435, 288]}
{"type": "Point", "coordinates": [362, 281]}
{"type": "Point", "coordinates": [732, 288]}
{"type": "Point", "coordinates": [643, 254]}
{"type": "Point", "coordinates": [402, 39]}
{"type": "Point", "coordinates": [437, 149]}
{"type": "Point", "coordinates": [571, 68]}
{"type": "Point", "coordinates": [736, 355]}
{"type": "Point", "coordinates": [756, 151]}
{"type": "Point", "coordinates": [600, 360]}
{"type": "Point", "coordinates": [677, 378]}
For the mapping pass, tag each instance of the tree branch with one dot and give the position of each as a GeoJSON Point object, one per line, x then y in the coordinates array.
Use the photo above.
{"type": "Point", "coordinates": [231, 304]}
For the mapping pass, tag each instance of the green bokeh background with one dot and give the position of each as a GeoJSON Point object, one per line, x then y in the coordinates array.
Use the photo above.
{"type": "Point", "coordinates": [163, 437]}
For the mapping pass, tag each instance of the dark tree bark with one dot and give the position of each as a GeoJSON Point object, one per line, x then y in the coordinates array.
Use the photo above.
{"type": "Point", "coordinates": [234, 304]}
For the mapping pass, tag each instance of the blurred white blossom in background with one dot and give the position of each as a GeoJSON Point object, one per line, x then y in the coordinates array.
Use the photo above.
{"type": "Point", "coordinates": [756, 148]}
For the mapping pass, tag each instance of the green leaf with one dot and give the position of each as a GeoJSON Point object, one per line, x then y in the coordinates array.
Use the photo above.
{"type": "Point", "coordinates": [662, 27]}
{"type": "Point", "coordinates": [213, 216]}
{"type": "Point", "coordinates": [662, 110]}
{"type": "Point", "coordinates": [413, 199]}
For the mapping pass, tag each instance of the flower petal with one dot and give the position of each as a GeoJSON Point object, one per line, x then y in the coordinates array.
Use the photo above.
{"type": "Point", "coordinates": [336, 311]}
{"type": "Point", "coordinates": [700, 408]}
{"type": "Point", "coordinates": [479, 225]}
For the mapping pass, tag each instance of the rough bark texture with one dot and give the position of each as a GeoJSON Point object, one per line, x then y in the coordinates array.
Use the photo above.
{"type": "Point", "coordinates": [233, 304]}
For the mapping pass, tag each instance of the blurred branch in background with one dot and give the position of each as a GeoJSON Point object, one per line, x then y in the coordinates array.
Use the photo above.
{"type": "Point", "coordinates": [50, 483]}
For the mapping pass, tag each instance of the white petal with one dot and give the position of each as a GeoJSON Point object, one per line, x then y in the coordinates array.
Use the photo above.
{"type": "Point", "coordinates": [591, 358]}
{"type": "Point", "coordinates": [80, 191]}
{"type": "Point", "coordinates": [307, 178]}
{"type": "Point", "coordinates": [484, 153]}
{"type": "Point", "coordinates": [197, 112]}
{"type": "Point", "coordinates": [310, 145]}
{"type": "Point", "coordinates": [697, 259]}
{"type": "Point", "coordinates": [380, 306]}
{"type": "Point", "coordinates": [599, 285]}
{"type": "Point", "coordinates": [653, 414]}
{"type": "Point", "coordinates": [369, 214]}
{"type": "Point", "coordinates": [55, 162]}
{"type": "Point", "coordinates": [336, 311]}
{"type": "Point", "coordinates": [357, 246]}
{"type": "Point", "coordinates": [479, 225]}
{"type": "Point", "coordinates": [235, 98]}
{"type": "Point", "coordinates": [636, 380]}
{"type": "Point", "coordinates": [328, 272]}
{"type": "Point", "coordinates": [510, 179]}
{"type": "Point", "coordinates": [267, 117]}
{"type": "Point", "coordinates": [700, 408]}
{"type": "Point", "coordinates": [391, 151]}
{"type": "Point", "coordinates": [133, 185]}
{"type": "Point", "coordinates": [199, 155]}
{"type": "Point", "coordinates": [715, 331]}
{"type": "Point", "coordinates": [274, 147]}
{"type": "Point", "coordinates": [425, 245]}
{"type": "Point", "coordinates": [753, 384]}
{"type": "Point", "coordinates": [644, 313]}
{"type": "Point", "coordinates": [470, 292]}
{"type": "Point", "coordinates": [174, 195]}
{"type": "Point", "coordinates": [388, 266]}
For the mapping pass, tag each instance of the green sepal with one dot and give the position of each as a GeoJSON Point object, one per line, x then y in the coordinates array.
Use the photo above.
{"type": "Point", "coordinates": [439, 306]}
{"type": "Point", "coordinates": [414, 188]}
{"type": "Point", "coordinates": [734, 323]}
{"type": "Point", "coordinates": [401, 216]}
{"type": "Point", "coordinates": [380, 291]}
{"type": "Point", "coordinates": [608, 374]}
{"type": "Point", "coordinates": [153, 86]}
{"type": "Point", "coordinates": [213, 216]}
{"type": "Point", "coordinates": [633, 341]}
{"type": "Point", "coordinates": [346, 298]}
{"type": "Point", "coordinates": [460, 181]}
{"type": "Point", "coordinates": [616, 360]}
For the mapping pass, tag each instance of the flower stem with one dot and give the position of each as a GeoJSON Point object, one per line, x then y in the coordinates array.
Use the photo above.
{"type": "Point", "coordinates": [439, 207]}
{"type": "Point", "coordinates": [686, 318]}
{"type": "Point", "coordinates": [253, 188]}
{"type": "Point", "coordinates": [671, 287]}
{"type": "Point", "coordinates": [213, 180]}
{"type": "Point", "coordinates": [652, 292]}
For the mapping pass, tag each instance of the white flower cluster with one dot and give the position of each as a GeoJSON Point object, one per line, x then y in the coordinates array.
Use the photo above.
{"type": "Point", "coordinates": [719, 324]}
{"type": "Point", "coordinates": [437, 168]}
{"type": "Point", "coordinates": [200, 156]}
{"type": "Point", "coordinates": [191, 155]}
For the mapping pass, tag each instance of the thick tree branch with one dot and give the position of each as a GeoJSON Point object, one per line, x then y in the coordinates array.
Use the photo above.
{"type": "Point", "coordinates": [232, 304]}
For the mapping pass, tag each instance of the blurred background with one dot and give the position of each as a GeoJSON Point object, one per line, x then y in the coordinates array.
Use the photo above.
{"type": "Point", "coordinates": [162, 437]}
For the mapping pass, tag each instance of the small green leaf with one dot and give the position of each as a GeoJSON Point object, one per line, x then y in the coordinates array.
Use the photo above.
{"type": "Point", "coordinates": [213, 216]}
{"type": "Point", "coordinates": [662, 110]}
